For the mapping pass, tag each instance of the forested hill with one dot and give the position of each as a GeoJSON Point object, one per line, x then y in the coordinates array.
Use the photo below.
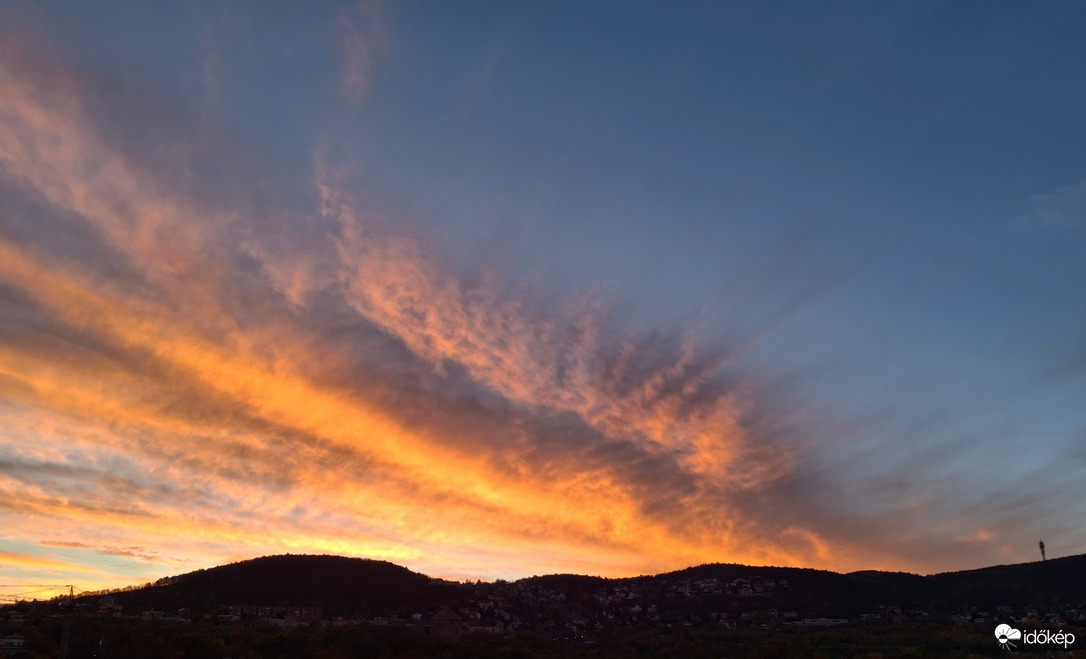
{"type": "Point", "coordinates": [370, 587]}
{"type": "Point", "coordinates": [354, 584]}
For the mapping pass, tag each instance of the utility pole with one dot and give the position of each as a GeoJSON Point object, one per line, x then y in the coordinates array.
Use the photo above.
{"type": "Point", "coordinates": [66, 637]}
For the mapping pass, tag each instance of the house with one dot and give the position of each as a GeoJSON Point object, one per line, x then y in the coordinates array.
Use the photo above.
{"type": "Point", "coordinates": [13, 642]}
{"type": "Point", "coordinates": [820, 622]}
{"type": "Point", "coordinates": [446, 624]}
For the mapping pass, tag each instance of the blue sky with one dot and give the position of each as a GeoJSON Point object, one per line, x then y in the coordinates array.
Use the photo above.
{"type": "Point", "coordinates": [807, 275]}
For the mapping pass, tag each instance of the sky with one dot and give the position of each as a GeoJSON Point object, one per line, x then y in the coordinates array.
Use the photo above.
{"type": "Point", "coordinates": [496, 289]}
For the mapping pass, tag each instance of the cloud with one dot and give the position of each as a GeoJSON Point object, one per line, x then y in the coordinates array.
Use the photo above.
{"type": "Point", "coordinates": [360, 37]}
{"type": "Point", "coordinates": [1063, 208]}
{"type": "Point", "coordinates": [216, 384]}
{"type": "Point", "coordinates": [38, 562]}
{"type": "Point", "coordinates": [196, 368]}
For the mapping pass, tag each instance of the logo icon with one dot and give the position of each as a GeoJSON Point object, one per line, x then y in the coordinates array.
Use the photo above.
{"type": "Point", "coordinates": [1005, 634]}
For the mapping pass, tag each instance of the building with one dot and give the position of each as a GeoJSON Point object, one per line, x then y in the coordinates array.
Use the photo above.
{"type": "Point", "coordinates": [446, 624]}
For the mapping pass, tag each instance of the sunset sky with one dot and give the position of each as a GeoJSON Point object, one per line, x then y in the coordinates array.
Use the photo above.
{"type": "Point", "coordinates": [494, 289]}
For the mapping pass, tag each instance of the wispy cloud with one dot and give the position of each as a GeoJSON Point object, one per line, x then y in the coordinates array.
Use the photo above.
{"type": "Point", "coordinates": [360, 37]}
{"type": "Point", "coordinates": [1062, 208]}
{"type": "Point", "coordinates": [192, 372]}
{"type": "Point", "coordinates": [207, 398]}
{"type": "Point", "coordinates": [38, 562]}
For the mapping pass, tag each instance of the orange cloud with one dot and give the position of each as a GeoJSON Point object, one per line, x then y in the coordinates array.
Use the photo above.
{"type": "Point", "coordinates": [38, 562]}
{"type": "Point", "coordinates": [179, 402]}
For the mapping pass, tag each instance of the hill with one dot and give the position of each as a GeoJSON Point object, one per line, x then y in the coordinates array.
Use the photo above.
{"type": "Point", "coordinates": [353, 586]}
{"type": "Point", "coordinates": [1055, 582]}
{"type": "Point", "coordinates": [368, 608]}
{"type": "Point", "coordinates": [347, 585]}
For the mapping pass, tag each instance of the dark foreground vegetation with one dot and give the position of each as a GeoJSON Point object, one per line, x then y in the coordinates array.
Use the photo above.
{"type": "Point", "coordinates": [125, 639]}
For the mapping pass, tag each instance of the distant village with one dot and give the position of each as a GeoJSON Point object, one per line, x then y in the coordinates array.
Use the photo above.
{"type": "Point", "coordinates": [503, 608]}
{"type": "Point", "coordinates": [337, 607]}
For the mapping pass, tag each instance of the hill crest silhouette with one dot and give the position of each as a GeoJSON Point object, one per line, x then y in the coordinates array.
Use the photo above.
{"type": "Point", "coordinates": [375, 587]}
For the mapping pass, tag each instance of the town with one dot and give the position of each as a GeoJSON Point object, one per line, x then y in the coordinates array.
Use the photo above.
{"type": "Point", "coordinates": [713, 605]}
